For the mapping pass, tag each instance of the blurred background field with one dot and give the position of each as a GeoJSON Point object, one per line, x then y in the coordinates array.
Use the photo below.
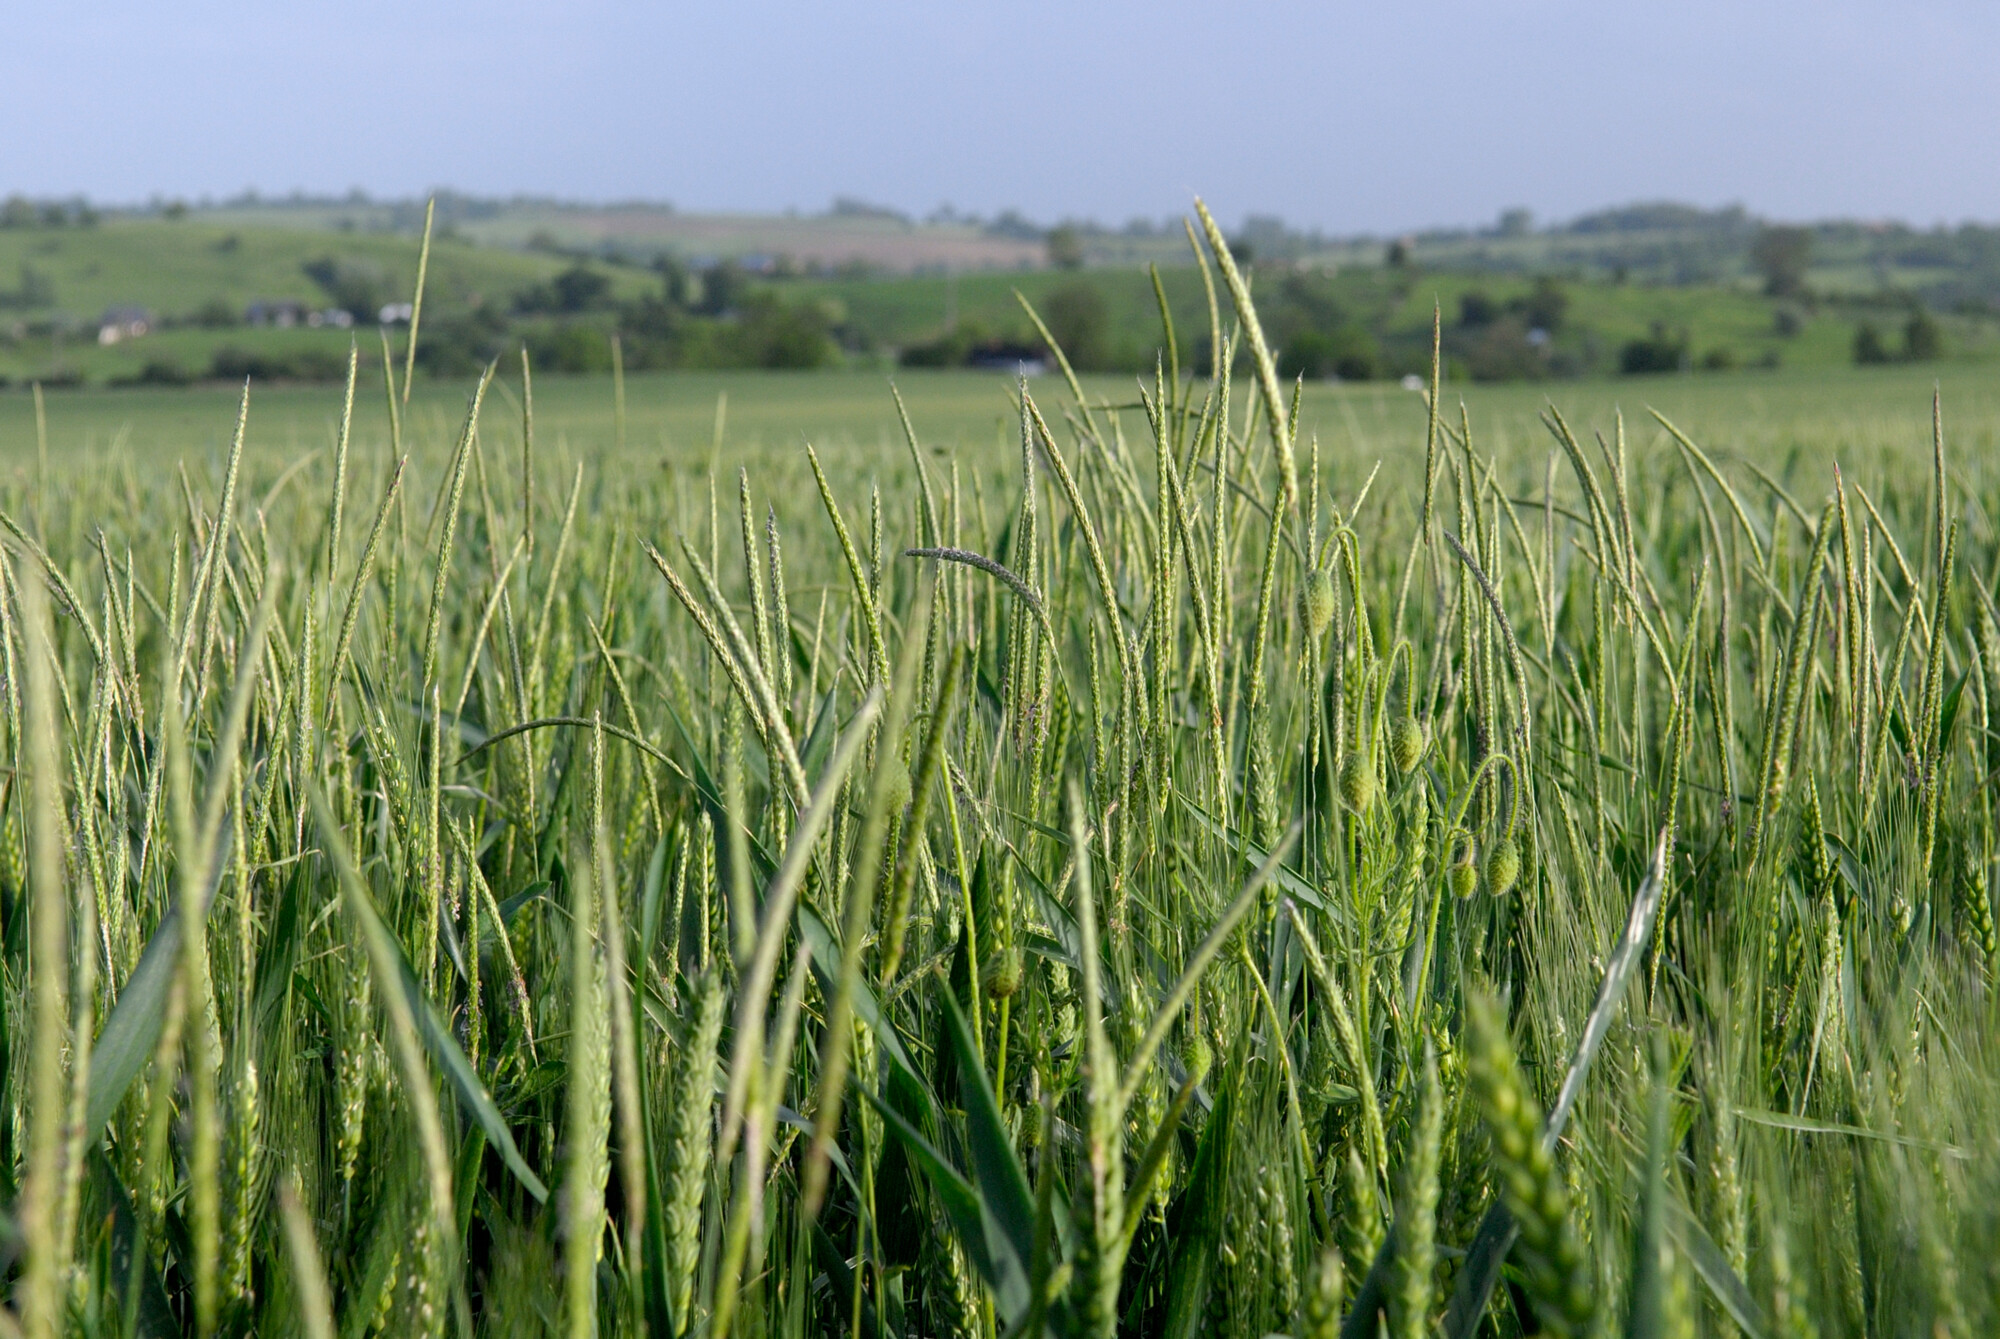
{"type": "Point", "coordinates": [1860, 417]}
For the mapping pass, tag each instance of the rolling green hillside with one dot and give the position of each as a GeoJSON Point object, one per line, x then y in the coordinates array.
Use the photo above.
{"type": "Point", "coordinates": [1738, 324]}
{"type": "Point", "coordinates": [1520, 308]}
{"type": "Point", "coordinates": [196, 278]}
{"type": "Point", "coordinates": [176, 266]}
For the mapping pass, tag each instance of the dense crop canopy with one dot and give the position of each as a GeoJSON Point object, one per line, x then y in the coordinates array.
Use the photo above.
{"type": "Point", "coordinates": [1169, 882]}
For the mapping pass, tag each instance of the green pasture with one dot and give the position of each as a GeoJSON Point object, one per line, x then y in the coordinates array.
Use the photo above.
{"type": "Point", "coordinates": [1841, 413]}
{"type": "Point", "coordinates": [175, 265]}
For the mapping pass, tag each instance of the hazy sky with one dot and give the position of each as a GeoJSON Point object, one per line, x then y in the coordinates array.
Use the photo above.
{"type": "Point", "coordinates": [1346, 116]}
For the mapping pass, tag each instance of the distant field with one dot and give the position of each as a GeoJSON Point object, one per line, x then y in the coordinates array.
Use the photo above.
{"type": "Point", "coordinates": [175, 266]}
{"type": "Point", "coordinates": [879, 240]}
{"type": "Point", "coordinates": [1601, 315]}
{"type": "Point", "coordinates": [1826, 414]}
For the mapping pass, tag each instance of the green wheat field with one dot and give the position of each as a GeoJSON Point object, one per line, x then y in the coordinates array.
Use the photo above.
{"type": "Point", "coordinates": [1195, 856]}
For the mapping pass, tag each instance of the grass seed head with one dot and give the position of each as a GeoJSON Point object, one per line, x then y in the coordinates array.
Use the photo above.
{"type": "Point", "coordinates": [1318, 602]}
{"type": "Point", "coordinates": [1550, 1251]}
{"type": "Point", "coordinates": [895, 781]}
{"type": "Point", "coordinates": [1322, 1318]}
{"type": "Point", "coordinates": [1357, 781]}
{"type": "Point", "coordinates": [1001, 975]}
{"type": "Point", "coordinates": [1503, 867]}
{"type": "Point", "coordinates": [1406, 744]}
{"type": "Point", "coordinates": [1464, 871]}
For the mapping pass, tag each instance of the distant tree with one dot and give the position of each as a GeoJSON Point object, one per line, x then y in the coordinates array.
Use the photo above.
{"type": "Point", "coordinates": [157, 372]}
{"type": "Point", "coordinates": [216, 314]}
{"type": "Point", "coordinates": [847, 206]}
{"type": "Point", "coordinates": [674, 284]}
{"type": "Point", "coordinates": [951, 349]}
{"type": "Point", "coordinates": [1662, 351]}
{"type": "Point", "coordinates": [1308, 354]}
{"type": "Point", "coordinates": [1923, 338]}
{"type": "Point", "coordinates": [1781, 255]}
{"type": "Point", "coordinates": [654, 323]}
{"type": "Point", "coordinates": [1504, 352]}
{"type": "Point", "coordinates": [1398, 256]}
{"type": "Point", "coordinates": [18, 212]}
{"type": "Point", "coordinates": [462, 342]}
{"type": "Point", "coordinates": [722, 288]}
{"type": "Point", "coordinates": [1870, 349]}
{"type": "Point", "coordinates": [174, 209]}
{"type": "Point", "coordinates": [1080, 323]}
{"type": "Point", "coordinates": [786, 336]}
{"type": "Point", "coordinates": [232, 364]}
{"type": "Point", "coordinates": [1545, 305]}
{"type": "Point", "coordinates": [357, 287]}
{"type": "Point", "coordinates": [1516, 222]}
{"type": "Point", "coordinates": [1347, 352]}
{"type": "Point", "coordinates": [1014, 226]}
{"type": "Point", "coordinates": [578, 288]}
{"type": "Point", "coordinates": [1476, 309]}
{"type": "Point", "coordinates": [574, 348]}
{"type": "Point", "coordinates": [35, 290]}
{"type": "Point", "coordinates": [1065, 246]}
{"type": "Point", "coordinates": [1304, 301]}
{"type": "Point", "coordinates": [1263, 235]}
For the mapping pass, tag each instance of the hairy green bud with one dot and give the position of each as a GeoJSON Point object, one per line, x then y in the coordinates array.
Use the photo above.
{"type": "Point", "coordinates": [1318, 602]}
{"type": "Point", "coordinates": [1503, 867]}
{"type": "Point", "coordinates": [1357, 781]}
{"type": "Point", "coordinates": [1463, 872]}
{"type": "Point", "coordinates": [1406, 744]}
{"type": "Point", "coordinates": [894, 778]}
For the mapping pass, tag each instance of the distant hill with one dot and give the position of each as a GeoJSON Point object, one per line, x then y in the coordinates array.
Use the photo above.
{"type": "Point", "coordinates": [1646, 241]}
{"type": "Point", "coordinates": [851, 234]}
{"type": "Point", "coordinates": [278, 289]}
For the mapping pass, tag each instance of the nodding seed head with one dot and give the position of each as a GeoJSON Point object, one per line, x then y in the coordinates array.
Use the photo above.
{"type": "Point", "coordinates": [895, 782]}
{"type": "Point", "coordinates": [1503, 867]}
{"type": "Point", "coordinates": [1464, 870]}
{"type": "Point", "coordinates": [1357, 781]}
{"type": "Point", "coordinates": [1406, 744]}
{"type": "Point", "coordinates": [1318, 601]}
{"type": "Point", "coordinates": [1199, 1055]}
{"type": "Point", "coordinates": [1002, 976]}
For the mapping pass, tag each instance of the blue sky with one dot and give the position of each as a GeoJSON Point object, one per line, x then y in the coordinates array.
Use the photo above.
{"type": "Point", "coordinates": [1349, 117]}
